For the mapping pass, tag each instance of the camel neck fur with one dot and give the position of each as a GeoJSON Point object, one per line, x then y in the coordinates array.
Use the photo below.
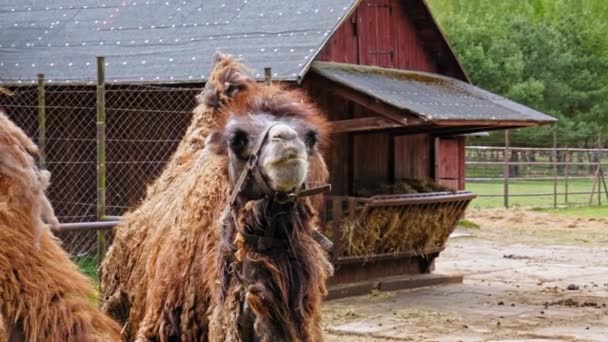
{"type": "Point", "coordinates": [277, 286]}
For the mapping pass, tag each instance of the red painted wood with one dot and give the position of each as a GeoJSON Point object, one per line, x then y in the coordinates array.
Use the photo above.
{"type": "Point", "coordinates": [409, 52]}
{"type": "Point", "coordinates": [374, 33]}
{"type": "Point", "coordinates": [449, 160]}
{"type": "Point", "coordinates": [338, 154]}
{"type": "Point", "coordinates": [462, 165]}
{"type": "Point", "coordinates": [370, 161]}
{"type": "Point", "coordinates": [342, 47]}
{"type": "Point", "coordinates": [412, 156]}
{"type": "Point", "coordinates": [380, 33]}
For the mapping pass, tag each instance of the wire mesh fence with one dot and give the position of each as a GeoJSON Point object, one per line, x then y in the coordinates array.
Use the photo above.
{"type": "Point", "coordinates": [144, 124]}
{"type": "Point", "coordinates": [536, 177]}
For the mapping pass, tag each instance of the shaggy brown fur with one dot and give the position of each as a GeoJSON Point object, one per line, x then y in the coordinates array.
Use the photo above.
{"type": "Point", "coordinates": [43, 297]}
{"type": "Point", "coordinates": [168, 274]}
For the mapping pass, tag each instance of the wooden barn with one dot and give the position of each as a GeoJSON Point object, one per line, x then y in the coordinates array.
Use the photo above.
{"type": "Point", "coordinates": [400, 102]}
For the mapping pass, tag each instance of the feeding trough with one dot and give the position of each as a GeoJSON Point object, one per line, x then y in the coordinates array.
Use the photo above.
{"type": "Point", "coordinates": [387, 235]}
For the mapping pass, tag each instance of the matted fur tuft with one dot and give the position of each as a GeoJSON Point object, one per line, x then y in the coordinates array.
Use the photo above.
{"type": "Point", "coordinates": [17, 162]}
{"type": "Point", "coordinates": [43, 297]}
{"type": "Point", "coordinates": [228, 78]}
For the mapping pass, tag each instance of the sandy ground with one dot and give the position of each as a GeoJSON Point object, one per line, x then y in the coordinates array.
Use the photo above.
{"type": "Point", "coordinates": [528, 276]}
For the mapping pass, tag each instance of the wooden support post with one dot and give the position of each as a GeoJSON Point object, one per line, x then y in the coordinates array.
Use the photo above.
{"type": "Point", "coordinates": [506, 170]}
{"type": "Point", "coordinates": [600, 174]}
{"type": "Point", "coordinates": [554, 167]}
{"type": "Point", "coordinates": [599, 162]}
{"type": "Point", "coordinates": [42, 121]}
{"type": "Point", "coordinates": [101, 155]}
{"type": "Point", "coordinates": [336, 217]}
{"type": "Point", "coordinates": [268, 76]}
{"type": "Point", "coordinates": [567, 158]}
{"type": "Point", "coordinates": [597, 175]}
{"type": "Point", "coordinates": [595, 179]}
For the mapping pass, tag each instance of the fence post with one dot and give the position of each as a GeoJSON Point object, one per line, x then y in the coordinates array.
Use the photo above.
{"type": "Point", "coordinates": [101, 155]}
{"type": "Point", "coordinates": [567, 158]}
{"type": "Point", "coordinates": [506, 170]}
{"type": "Point", "coordinates": [268, 75]}
{"type": "Point", "coordinates": [600, 172]}
{"type": "Point", "coordinates": [42, 121]}
{"type": "Point", "coordinates": [597, 174]}
{"type": "Point", "coordinates": [554, 167]}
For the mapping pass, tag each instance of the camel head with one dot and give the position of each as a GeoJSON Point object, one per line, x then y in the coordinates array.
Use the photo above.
{"type": "Point", "coordinates": [276, 129]}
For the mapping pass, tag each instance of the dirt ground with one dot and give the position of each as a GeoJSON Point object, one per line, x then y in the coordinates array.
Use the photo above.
{"type": "Point", "coordinates": [528, 276]}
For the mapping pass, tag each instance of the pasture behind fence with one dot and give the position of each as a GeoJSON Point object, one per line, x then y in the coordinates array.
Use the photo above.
{"type": "Point", "coordinates": [537, 177]}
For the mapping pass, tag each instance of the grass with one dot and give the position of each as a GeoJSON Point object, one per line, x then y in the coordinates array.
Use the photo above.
{"type": "Point", "coordinates": [589, 212]}
{"type": "Point", "coordinates": [468, 224]}
{"type": "Point", "coordinates": [522, 187]}
{"type": "Point", "coordinates": [88, 266]}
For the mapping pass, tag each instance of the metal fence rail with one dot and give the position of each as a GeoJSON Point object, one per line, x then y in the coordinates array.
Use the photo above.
{"type": "Point", "coordinates": [555, 176]}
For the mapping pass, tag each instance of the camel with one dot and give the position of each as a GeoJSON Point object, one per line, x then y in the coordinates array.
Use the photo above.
{"type": "Point", "coordinates": [223, 246]}
{"type": "Point", "coordinates": [43, 296]}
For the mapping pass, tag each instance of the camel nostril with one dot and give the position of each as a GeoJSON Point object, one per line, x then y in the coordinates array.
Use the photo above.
{"type": "Point", "coordinates": [282, 133]}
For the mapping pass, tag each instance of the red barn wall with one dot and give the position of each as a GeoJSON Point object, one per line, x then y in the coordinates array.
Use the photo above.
{"type": "Point", "coordinates": [379, 33]}
{"type": "Point", "coordinates": [338, 156]}
{"type": "Point", "coordinates": [450, 162]}
{"type": "Point", "coordinates": [371, 161]}
{"type": "Point", "coordinates": [413, 156]}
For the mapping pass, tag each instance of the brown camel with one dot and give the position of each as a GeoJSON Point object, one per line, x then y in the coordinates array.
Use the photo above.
{"type": "Point", "coordinates": [43, 297]}
{"type": "Point", "coordinates": [223, 248]}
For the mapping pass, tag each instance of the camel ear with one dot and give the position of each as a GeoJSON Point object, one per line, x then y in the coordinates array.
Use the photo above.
{"type": "Point", "coordinates": [228, 77]}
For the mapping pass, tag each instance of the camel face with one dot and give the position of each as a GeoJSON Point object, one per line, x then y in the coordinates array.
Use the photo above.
{"type": "Point", "coordinates": [284, 156]}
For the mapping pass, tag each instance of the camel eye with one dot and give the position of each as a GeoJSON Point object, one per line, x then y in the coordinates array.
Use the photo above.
{"type": "Point", "coordinates": [311, 138]}
{"type": "Point", "coordinates": [238, 141]}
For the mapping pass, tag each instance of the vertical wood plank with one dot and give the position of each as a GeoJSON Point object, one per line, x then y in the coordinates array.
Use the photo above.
{"type": "Point", "coordinates": [336, 210]}
{"type": "Point", "coordinates": [462, 163]}
{"type": "Point", "coordinates": [412, 154]}
{"type": "Point", "coordinates": [506, 170]}
{"type": "Point", "coordinates": [567, 162]}
{"type": "Point", "coordinates": [554, 168]}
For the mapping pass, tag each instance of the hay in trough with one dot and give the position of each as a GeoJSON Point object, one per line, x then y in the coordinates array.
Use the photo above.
{"type": "Point", "coordinates": [414, 228]}
{"type": "Point", "coordinates": [402, 186]}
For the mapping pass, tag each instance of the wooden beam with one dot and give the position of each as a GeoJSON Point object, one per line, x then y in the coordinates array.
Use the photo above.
{"type": "Point", "coordinates": [396, 115]}
{"type": "Point", "coordinates": [438, 131]}
{"type": "Point", "coordinates": [362, 124]}
{"type": "Point", "coordinates": [488, 123]}
{"type": "Point", "coordinates": [400, 282]}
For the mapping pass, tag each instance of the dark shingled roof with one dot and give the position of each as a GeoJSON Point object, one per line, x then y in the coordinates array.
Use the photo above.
{"type": "Point", "coordinates": [161, 41]}
{"type": "Point", "coordinates": [432, 97]}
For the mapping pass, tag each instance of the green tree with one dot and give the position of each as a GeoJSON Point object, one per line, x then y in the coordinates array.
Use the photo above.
{"type": "Point", "coordinates": [551, 55]}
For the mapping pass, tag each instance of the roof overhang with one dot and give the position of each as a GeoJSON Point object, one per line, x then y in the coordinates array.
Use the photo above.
{"type": "Point", "coordinates": [413, 102]}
